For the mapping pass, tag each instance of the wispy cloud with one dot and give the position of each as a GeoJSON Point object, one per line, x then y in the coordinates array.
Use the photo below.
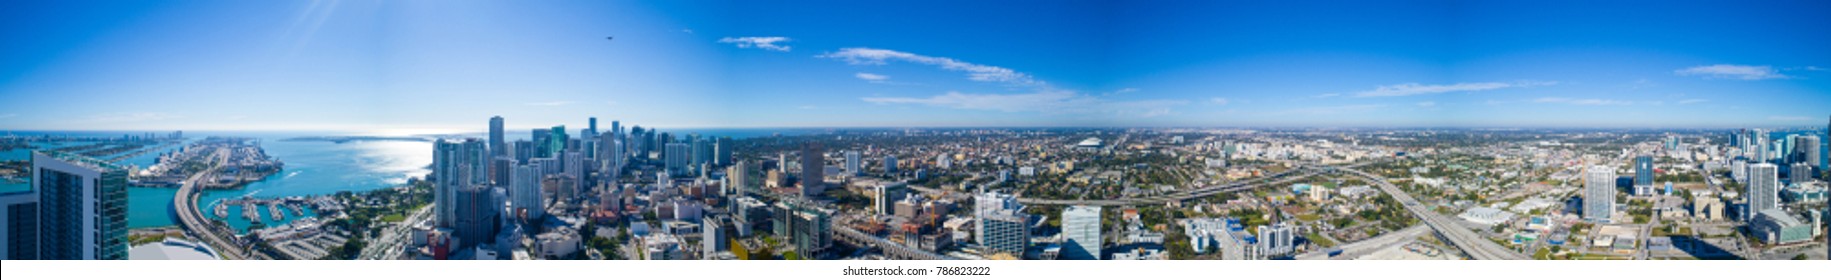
{"type": "Point", "coordinates": [875, 78]}
{"type": "Point", "coordinates": [1582, 101]}
{"type": "Point", "coordinates": [1694, 100]}
{"type": "Point", "coordinates": [132, 117]}
{"type": "Point", "coordinates": [550, 103]}
{"type": "Point", "coordinates": [1330, 110]}
{"type": "Point", "coordinates": [976, 72]}
{"type": "Point", "coordinates": [1427, 104]}
{"type": "Point", "coordinates": [1051, 102]}
{"type": "Point", "coordinates": [767, 43]}
{"type": "Point", "coordinates": [1409, 89]}
{"type": "Point", "coordinates": [688, 31]}
{"type": "Point", "coordinates": [8, 116]}
{"type": "Point", "coordinates": [807, 107]}
{"type": "Point", "coordinates": [1218, 101]}
{"type": "Point", "coordinates": [1642, 83]}
{"type": "Point", "coordinates": [1789, 118]}
{"type": "Point", "coordinates": [1731, 71]}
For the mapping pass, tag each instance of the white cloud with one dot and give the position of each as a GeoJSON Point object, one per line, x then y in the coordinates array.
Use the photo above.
{"type": "Point", "coordinates": [1218, 101]}
{"type": "Point", "coordinates": [807, 107]}
{"type": "Point", "coordinates": [1789, 118]}
{"type": "Point", "coordinates": [1409, 89]}
{"type": "Point", "coordinates": [976, 72]}
{"type": "Point", "coordinates": [688, 31]}
{"type": "Point", "coordinates": [1327, 95]}
{"type": "Point", "coordinates": [1694, 100]}
{"type": "Point", "coordinates": [875, 78]}
{"type": "Point", "coordinates": [1586, 101]}
{"type": "Point", "coordinates": [767, 43]}
{"type": "Point", "coordinates": [1052, 102]}
{"type": "Point", "coordinates": [1427, 104]}
{"type": "Point", "coordinates": [550, 103]}
{"type": "Point", "coordinates": [8, 116]}
{"type": "Point", "coordinates": [1730, 71]}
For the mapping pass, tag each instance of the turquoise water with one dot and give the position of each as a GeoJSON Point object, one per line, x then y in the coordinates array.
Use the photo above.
{"type": "Point", "coordinates": [150, 207]}
{"type": "Point", "coordinates": [321, 168]}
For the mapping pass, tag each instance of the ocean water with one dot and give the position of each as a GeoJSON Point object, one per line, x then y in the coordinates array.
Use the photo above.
{"type": "Point", "coordinates": [314, 168]}
{"type": "Point", "coordinates": [321, 168]}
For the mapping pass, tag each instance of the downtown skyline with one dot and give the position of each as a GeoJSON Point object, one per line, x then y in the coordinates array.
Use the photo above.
{"type": "Point", "coordinates": [347, 65]}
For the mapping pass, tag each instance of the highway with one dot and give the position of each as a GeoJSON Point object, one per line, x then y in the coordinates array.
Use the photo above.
{"type": "Point", "coordinates": [1476, 246]}
{"type": "Point", "coordinates": [393, 240]}
{"type": "Point", "coordinates": [1370, 245]}
{"type": "Point", "coordinates": [193, 221]}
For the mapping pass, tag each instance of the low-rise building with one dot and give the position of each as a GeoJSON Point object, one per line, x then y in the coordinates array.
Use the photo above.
{"type": "Point", "coordinates": [1775, 226]}
{"type": "Point", "coordinates": [559, 243]}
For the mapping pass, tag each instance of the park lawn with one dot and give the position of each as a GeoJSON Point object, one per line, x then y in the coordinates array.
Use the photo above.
{"type": "Point", "coordinates": [1324, 242]}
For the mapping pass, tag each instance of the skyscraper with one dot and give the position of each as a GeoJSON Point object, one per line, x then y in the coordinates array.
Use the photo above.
{"type": "Point", "coordinates": [81, 211]}
{"type": "Point", "coordinates": [541, 139]}
{"type": "Point", "coordinates": [610, 157]}
{"type": "Point", "coordinates": [455, 165]}
{"type": "Point", "coordinates": [677, 158]}
{"type": "Point", "coordinates": [1759, 138]}
{"type": "Point", "coordinates": [476, 216]}
{"type": "Point", "coordinates": [1081, 233]}
{"type": "Point", "coordinates": [722, 156]}
{"type": "Point", "coordinates": [525, 192]}
{"type": "Point", "coordinates": [702, 151]}
{"type": "Point", "coordinates": [890, 164]}
{"type": "Point", "coordinates": [1643, 175]}
{"type": "Point", "coordinates": [556, 141]}
{"type": "Point", "coordinates": [1003, 226]}
{"type": "Point", "coordinates": [497, 145]}
{"type": "Point", "coordinates": [853, 164]}
{"type": "Point", "coordinates": [502, 169]}
{"type": "Point", "coordinates": [521, 150]}
{"type": "Point", "coordinates": [1799, 172]}
{"type": "Point", "coordinates": [737, 178]}
{"type": "Point", "coordinates": [1807, 150]}
{"type": "Point", "coordinates": [813, 169]}
{"type": "Point", "coordinates": [806, 228]}
{"type": "Point", "coordinates": [1599, 194]}
{"type": "Point", "coordinates": [574, 167]}
{"type": "Point", "coordinates": [19, 214]}
{"type": "Point", "coordinates": [1005, 231]}
{"type": "Point", "coordinates": [1763, 187]}
{"type": "Point", "coordinates": [591, 127]}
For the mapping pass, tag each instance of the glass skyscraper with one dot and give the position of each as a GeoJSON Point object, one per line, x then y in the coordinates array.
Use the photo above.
{"type": "Point", "coordinates": [80, 212]}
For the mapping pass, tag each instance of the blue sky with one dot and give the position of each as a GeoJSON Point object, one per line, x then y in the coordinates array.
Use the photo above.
{"type": "Point", "coordinates": [450, 65]}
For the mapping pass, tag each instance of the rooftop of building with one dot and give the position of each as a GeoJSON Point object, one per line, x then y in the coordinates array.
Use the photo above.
{"type": "Point", "coordinates": [86, 162]}
{"type": "Point", "coordinates": [171, 249]}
